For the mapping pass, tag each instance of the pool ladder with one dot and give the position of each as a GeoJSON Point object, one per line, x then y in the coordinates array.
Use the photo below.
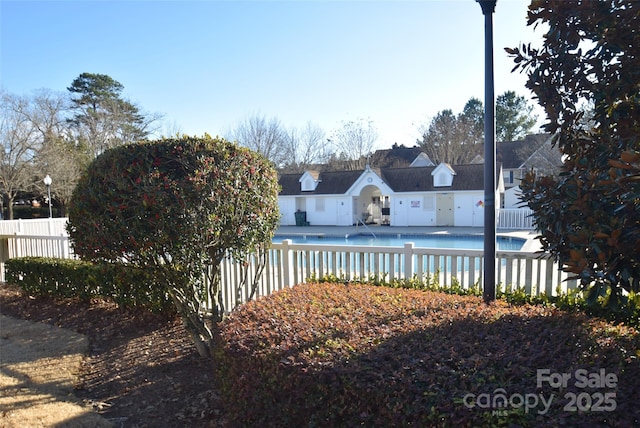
{"type": "Point", "coordinates": [366, 227]}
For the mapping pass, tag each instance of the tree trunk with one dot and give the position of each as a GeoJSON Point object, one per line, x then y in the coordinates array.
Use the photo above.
{"type": "Point", "coordinates": [195, 324]}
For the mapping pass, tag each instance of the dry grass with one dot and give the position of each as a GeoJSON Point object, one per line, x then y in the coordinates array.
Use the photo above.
{"type": "Point", "coordinates": [39, 369]}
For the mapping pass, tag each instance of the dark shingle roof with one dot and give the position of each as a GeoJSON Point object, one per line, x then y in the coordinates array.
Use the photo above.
{"type": "Point", "coordinates": [410, 179]}
{"type": "Point", "coordinates": [289, 184]}
{"type": "Point", "coordinates": [513, 154]}
{"type": "Point", "coordinates": [331, 183]}
{"type": "Point", "coordinates": [396, 157]}
{"type": "Point", "coordinates": [419, 179]}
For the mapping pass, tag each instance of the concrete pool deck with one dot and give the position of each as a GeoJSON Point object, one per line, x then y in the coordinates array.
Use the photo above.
{"type": "Point", "coordinates": [531, 244]}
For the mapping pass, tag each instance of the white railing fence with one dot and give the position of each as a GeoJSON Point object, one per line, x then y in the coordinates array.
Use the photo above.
{"type": "Point", "coordinates": [37, 226]}
{"type": "Point", "coordinates": [289, 264]}
{"type": "Point", "coordinates": [516, 219]}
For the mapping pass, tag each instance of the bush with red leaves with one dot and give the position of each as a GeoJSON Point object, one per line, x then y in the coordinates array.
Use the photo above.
{"type": "Point", "coordinates": [359, 355]}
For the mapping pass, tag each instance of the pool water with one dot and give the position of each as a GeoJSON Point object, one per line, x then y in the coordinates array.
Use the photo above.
{"type": "Point", "coordinates": [467, 242]}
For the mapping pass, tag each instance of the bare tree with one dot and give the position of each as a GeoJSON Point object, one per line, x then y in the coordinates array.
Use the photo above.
{"type": "Point", "coordinates": [64, 161]}
{"type": "Point", "coordinates": [37, 142]}
{"type": "Point", "coordinates": [20, 147]}
{"type": "Point", "coordinates": [308, 147]}
{"type": "Point", "coordinates": [170, 130]}
{"type": "Point", "coordinates": [59, 156]}
{"type": "Point", "coordinates": [355, 141]}
{"type": "Point", "coordinates": [265, 136]}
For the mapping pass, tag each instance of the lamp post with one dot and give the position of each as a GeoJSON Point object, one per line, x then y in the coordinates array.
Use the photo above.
{"type": "Point", "coordinates": [489, 276]}
{"type": "Point", "coordinates": [47, 182]}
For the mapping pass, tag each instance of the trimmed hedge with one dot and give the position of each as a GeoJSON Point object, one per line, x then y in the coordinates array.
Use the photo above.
{"type": "Point", "coordinates": [126, 286]}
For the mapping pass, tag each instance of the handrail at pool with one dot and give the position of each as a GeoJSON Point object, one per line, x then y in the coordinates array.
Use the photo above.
{"type": "Point", "coordinates": [366, 227]}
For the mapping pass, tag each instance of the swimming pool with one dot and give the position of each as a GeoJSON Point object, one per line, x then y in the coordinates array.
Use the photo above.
{"type": "Point", "coordinates": [467, 242]}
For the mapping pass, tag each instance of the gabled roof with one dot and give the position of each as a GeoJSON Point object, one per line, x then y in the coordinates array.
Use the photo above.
{"type": "Point", "coordinates": [477, 159]}
{"type": "Point", "coordinates": [422, 160]}
{"type": "Point", "coordinates": [331, 183]}
{"type": "Point", "coordinates": [408, 179]}
{"type": "Point", "coordinates": [419, 179]}
{"type": "Point", "coordinates": [444, 166]}
{"type": "Point", "coordinates": [513, 154]}
{"type": "Point", "coordinates": [398, 156]}
{"type": "Point", "coordinates": [313, 173]}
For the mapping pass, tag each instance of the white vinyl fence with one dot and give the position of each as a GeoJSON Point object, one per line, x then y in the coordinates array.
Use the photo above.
{"type": "Point", "coordinates": [515, 219]}
{"type": "Point", "coordinates": [289, 264]}
{"type": "Point", "coordinates": [37, 226]}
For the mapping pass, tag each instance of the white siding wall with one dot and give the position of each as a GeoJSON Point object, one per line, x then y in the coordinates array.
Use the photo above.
{"type": "Point", "coordinates": [321, 210]}
{"type": "Point", "coordinates": [407, 209]}
{"type": "Point", "coordinates": [413, 210]}
{"type": "Point", "coordinates": [287, 206]}
{"type": "Point", "coordinates": [468, 211]}
{"type": "Point", "coordinates": [512, 198]}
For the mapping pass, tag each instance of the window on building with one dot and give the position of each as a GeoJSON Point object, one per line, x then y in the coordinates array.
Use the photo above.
{"type": "Point", "coordinates": [508, 177]}
{"type": "Point", "coordinates": [429, 203]}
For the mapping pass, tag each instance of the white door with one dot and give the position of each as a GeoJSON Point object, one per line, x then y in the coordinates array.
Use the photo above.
{"type": "Point", "coordinates": [399, 215]}
{"type": "Point", "coordinates": [444, 209]}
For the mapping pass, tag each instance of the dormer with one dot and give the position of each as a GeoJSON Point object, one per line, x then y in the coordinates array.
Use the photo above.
{"type": "Point", "coordinates": [443, 175]}
{"type": "Point", "coordinates": [422, 160]}
{"type": "Point", "coordinates": [309, 181]}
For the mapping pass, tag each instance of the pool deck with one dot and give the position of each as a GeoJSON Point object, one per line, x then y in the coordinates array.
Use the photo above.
{"type": "Point", "coordinates": [531, 244]}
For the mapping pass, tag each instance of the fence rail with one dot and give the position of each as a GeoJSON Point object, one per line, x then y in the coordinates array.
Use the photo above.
{"type": "Point", "coordinates": [36, 226]}
{"type": "Point", "coordinates": [289, 264]}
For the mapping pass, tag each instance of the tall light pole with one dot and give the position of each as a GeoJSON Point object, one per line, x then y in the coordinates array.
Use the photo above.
{"type": "Point", "coordinates": [47, 182]}
{"type": "Point", "coordinates": [489, 276]}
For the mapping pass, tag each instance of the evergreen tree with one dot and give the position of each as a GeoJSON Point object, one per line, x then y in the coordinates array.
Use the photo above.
{"type": "Point", "coordinates": [101, 117]}
{"type": "Point", "coordinates": [589, 216]}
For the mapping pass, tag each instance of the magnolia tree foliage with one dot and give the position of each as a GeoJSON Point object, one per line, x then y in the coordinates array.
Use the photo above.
{"type": "Point", "coordinates": [589, 216]}
{"type": "Point", "coordinates": [176, 208]}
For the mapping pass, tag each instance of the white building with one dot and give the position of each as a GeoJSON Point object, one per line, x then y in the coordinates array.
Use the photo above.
{"type": "Point", "coordinates": [418, 195]}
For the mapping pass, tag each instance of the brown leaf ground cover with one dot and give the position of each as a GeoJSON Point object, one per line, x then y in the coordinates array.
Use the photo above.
{"type": "Point", "coordinates": [141, 369]}
{"type": "Point", "coordinates": [355, 355]}
{"type": "Point", "coordinates": [359, 355]}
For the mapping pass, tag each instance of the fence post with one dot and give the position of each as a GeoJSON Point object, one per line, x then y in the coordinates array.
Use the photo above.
{"type": "Point", "coordinates": [286, 263]}
{"type": "Point", "coordinates": [408, 260]}
{"type": "Point", "coordinates": [4, 256]}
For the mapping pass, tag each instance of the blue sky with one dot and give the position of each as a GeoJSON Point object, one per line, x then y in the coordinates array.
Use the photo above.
{"type": "Point", "coordinates": [206, 65]}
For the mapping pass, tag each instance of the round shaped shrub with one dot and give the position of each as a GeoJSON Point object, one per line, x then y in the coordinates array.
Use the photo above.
{"type": "Point", "coordinates": [174, 207]}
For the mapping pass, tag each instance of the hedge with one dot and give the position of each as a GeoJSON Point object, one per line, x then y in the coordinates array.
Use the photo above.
{"type": "Point", "coordinates": [126, 286]}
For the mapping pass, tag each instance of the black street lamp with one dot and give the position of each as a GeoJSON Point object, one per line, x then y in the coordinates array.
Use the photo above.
{"type": "Point", "coordinates": [47, 182]}
{"type": "Point", "coordinates": [489, 276]}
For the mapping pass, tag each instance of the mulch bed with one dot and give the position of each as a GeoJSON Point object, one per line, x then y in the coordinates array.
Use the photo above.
{"type": "Point", "coordinates": [142, 370]}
